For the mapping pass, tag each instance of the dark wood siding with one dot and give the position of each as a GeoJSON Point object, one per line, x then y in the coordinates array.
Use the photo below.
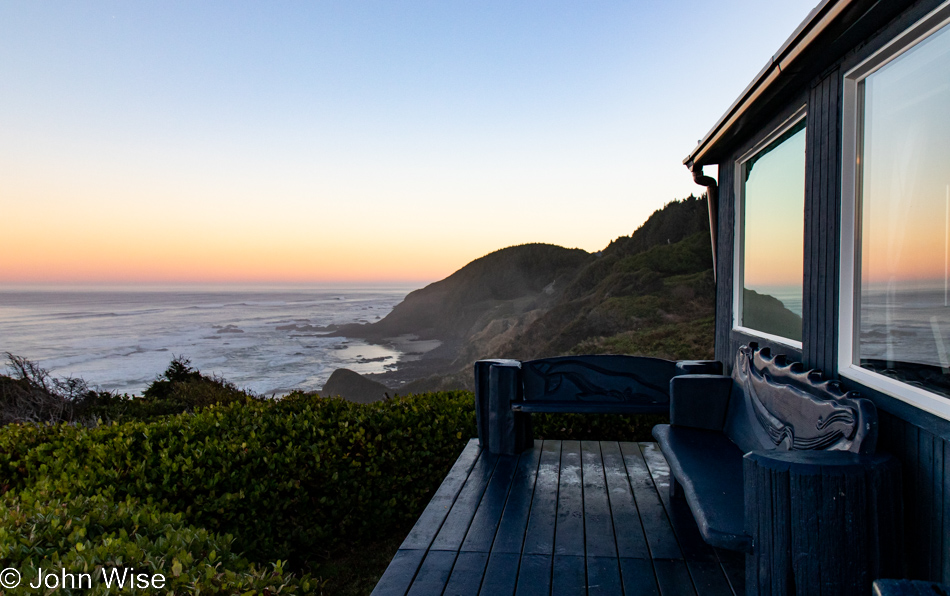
{"type": "Point", "coordinates": [822, 224]}
{"type": "Point", "coordinates": [725, 239]}
{"type": "Point", "coordinates": [925, 458]}
{"type": "Point", "coordinates": [918, 439]}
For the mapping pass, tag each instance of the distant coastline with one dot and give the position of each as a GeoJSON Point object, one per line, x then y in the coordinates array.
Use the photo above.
{"type": "Point", "coordinates": [120, 340]}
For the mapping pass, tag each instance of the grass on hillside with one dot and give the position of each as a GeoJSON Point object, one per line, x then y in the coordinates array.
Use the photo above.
{"type": "Point", "coordinates": [686, 340]}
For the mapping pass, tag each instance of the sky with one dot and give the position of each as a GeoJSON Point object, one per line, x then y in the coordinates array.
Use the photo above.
{"type": "Point", "coordinates": [774, 204]}
{"type": "Point", "coordinates": [906, 179]}
{"type": "Point", "coordinates": [372, 141]}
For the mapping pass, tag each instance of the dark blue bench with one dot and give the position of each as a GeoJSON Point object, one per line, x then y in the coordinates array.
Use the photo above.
{"type": "Point", "coordinates": [778, 462]}
{"type": "Point", "coordinates": [507, 392]}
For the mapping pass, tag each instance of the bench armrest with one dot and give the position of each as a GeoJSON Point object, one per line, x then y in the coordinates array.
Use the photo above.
{"type": "Point", "coordinates": [699, 401]}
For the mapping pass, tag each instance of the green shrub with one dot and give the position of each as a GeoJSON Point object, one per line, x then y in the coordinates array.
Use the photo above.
{"type": "Point", "coordinates": [96, 534]}
{"type": "Point", "coordinates": [179, 389]}
{"type": "Point", "coordinates": [286, 478]}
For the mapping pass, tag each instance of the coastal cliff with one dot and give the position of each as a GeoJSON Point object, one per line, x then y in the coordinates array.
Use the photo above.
{"type": "Point", "coordinates": [649, 293]}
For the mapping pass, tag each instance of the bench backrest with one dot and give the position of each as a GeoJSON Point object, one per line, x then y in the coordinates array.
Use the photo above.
{"type": "Point", "coordinates": [601, 379]}
{"type": "Point", "coordinates": [776, 404]}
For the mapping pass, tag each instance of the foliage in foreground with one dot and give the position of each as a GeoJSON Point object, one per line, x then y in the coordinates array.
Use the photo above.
{"type": "Point", "coordinates": [179, 389]}
{"type": "Point", "coordinates": [287, 479]}
{"type": "Point", "coordinates": [98, 534]}
{"type": "Point", "coordinates": [223, 492]}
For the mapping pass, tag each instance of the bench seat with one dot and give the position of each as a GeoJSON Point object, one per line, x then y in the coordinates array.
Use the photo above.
{"type": "Point", "coordinates": [778, 462]}
{"type": "Point", "coordinates": [768, 404]}
{"type": "Point", "coordinates": [710, 468]}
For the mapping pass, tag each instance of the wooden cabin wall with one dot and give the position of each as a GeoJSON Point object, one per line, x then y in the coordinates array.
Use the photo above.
{"type": "Point", "coordinates": [924, 453]}
{"type": "Point", "coordinates": [918, 439]}
{"type": "Point", "coordinates": [725, 244]}
{"type": "Point", "coordinates": [822, 224]}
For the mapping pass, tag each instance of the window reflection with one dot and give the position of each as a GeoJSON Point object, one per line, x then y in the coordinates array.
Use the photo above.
{"type": "Point", "coordinates": [903, 310]}
{"type": "Point", "coordinates": [773, 236]}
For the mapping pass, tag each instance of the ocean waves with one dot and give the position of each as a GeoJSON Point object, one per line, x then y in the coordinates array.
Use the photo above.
{"type": "Point", "coordinates": [268, 341]}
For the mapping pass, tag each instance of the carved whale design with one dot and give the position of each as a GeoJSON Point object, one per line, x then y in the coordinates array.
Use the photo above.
{"type": "Point", "coordinates": [797, 409]}
{"type": "Point", "coordinates": [581, 379]}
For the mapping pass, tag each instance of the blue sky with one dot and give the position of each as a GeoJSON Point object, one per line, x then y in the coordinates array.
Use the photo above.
{"type": "Point", "coordinates": [336, 141]}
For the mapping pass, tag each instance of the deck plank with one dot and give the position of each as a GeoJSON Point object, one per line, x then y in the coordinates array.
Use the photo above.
{"type": "Point", "coordinates": [466, 578]}
{"type": "Point", "coordinates": [569, 577]}
{"type": "Point", "coordinates": [501, 575]}
{"type": "Point", "coordinates": [481, 533]}
{"type": "Point", "coordinates": [673, 578]}
{"type": "Point", "coordinates": [639, 578]}
{"type": "Point", "coordinates": [708, 578]}
{"type": "Point", "coordinates": [534, 576]}
{"type": "Point", "coordinates": [539, 539]}
{"type": "Point", "coordinates": [656, 525]}
{"type": "Point", "coordinates": [434, 573]}
{"type": "Point", "coordinates": [733, 565]}
{"type": "Point", "coordinates": [457, 522]}
{"type": "Point", "coordinates": [628, 529]}
{"type": "Point", "coordinates": [514, 520]}
{"type": "Point", "coordinates": [563, 518]}
{"type": "Point", "coordinates": [569, 532]}
{"type": "Point", "coordinates": [598, 522]}
{"type": "Point", "coordinates": [398, 576]}
{"type": "Point", "coordinates": [429, 523]}
{"type": "Point", "coordinates": [603, 576]}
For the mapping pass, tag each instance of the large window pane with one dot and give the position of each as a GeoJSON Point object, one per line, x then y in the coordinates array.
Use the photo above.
{"type": "Point", "coordinates": [773, 236]}
{"type": "Point", "coordinates": [903, 308]}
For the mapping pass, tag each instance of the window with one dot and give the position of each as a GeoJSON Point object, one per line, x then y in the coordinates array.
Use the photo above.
{"type": "Point", "coordinates": [770, 236]}
{"type": "Point", "coordinates": [898, 275]}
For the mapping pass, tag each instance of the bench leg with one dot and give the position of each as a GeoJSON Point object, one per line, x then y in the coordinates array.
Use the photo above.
{"type": "Point", "coordinates": [676, 491]}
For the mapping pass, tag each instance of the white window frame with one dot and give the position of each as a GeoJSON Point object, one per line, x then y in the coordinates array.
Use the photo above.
{"type": "Point", "coordinates": [738, 281]}
{"type": "Point", "coordinates": [850, 232]}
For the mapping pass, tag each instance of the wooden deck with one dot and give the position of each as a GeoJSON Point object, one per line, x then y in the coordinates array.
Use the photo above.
{"type": "Point", "coordinates": [563, 518]}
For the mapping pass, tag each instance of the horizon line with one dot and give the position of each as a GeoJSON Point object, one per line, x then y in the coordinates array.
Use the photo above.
{"type": "Point", "coordinates": [54, 286]}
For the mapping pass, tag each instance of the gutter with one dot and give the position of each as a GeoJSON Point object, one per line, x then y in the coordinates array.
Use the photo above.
{"type": "Point", "coordinates": [817, 21]}
{"type": "Point", "coordinates": [712, 202]}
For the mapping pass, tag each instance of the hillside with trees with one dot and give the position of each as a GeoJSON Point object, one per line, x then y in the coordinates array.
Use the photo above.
{"type": "Point", "coordinates": [650, 293]}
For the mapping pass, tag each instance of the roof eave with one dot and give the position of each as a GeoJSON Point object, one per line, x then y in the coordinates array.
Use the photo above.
{"type": "Point", "coordinates": [817, 21]}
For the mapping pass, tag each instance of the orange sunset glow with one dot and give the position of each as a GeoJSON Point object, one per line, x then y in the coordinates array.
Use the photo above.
{"type": "Point", "coordinates": [319, 143]}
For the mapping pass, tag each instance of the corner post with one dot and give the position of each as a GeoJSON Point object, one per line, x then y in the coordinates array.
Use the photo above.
{"type": "Point", "coordinates": [509, 432]}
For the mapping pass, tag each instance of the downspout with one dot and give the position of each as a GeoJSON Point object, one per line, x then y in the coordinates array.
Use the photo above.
{"type": "Point", "coordinates": [712, 202]}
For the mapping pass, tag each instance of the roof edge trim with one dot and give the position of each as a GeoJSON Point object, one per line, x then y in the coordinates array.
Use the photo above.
{"type": "Point", "coordinates": [804, 35]}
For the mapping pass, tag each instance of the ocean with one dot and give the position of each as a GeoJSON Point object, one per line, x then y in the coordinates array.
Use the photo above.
{"type": "Point", "coordinates": [262, 339]}
{"type": "Point", "coordinates": [906, 324]}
